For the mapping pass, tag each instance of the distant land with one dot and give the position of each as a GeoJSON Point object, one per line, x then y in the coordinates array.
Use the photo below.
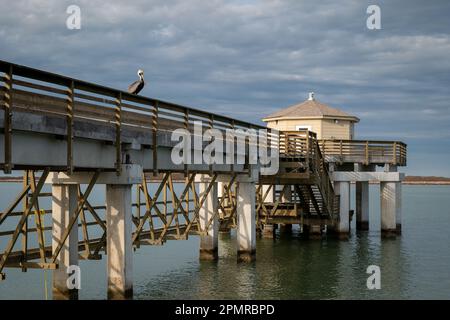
{"type": "Point", "coordinates": [409, 180]}
{"type": "Point", "coordinates": [426, 180]}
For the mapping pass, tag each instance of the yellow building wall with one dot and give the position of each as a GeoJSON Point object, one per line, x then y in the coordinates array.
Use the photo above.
{"type": "Point", "coordinates": [325, 128]}
{"type": "Point", "coordinates": [291, 125]}
{"type": "Point", "coordinates": [340, 130]}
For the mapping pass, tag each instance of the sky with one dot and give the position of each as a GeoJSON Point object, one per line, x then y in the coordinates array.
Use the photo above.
{"type": "Point", "coordinates": [249, 58]}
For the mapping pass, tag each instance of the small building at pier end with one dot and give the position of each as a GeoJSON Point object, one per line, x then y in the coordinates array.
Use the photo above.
{"type": "Point", "coordinates": [325, 121]}
{"type": "Point", "coordinates": [319, 159]}
{"type": "Point", "coordinates": [71, 135]}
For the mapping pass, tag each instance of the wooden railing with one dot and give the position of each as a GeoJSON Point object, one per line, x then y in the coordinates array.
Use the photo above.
{"type": "Point", "coordinates": [30, 90]}
{"type": "Point", "coordinates": [304, 146]}
{"type": "Point", "coordinates": [364, 151]}
{"type": "Point", "coordinates": [324, 181]}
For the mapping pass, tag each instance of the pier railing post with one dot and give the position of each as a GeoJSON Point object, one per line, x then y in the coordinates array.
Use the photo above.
{"type": "Point", "coordinates": [118, 125]}
{"type": "Point", "coordinates": [8, 120]}
{"type": "Point", "coordinates": [70, 123]}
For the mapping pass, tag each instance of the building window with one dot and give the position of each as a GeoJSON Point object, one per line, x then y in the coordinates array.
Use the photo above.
{"type": "Point", "coordinates": [303, 127]}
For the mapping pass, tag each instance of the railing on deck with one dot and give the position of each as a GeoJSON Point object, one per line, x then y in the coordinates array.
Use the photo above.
{"type": "Point", "coordinates": [30, 90]}
{"type": "Point", "coordinates": [364, 151]}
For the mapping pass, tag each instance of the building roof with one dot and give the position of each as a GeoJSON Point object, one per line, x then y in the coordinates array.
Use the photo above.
{"type": "Point", "coordinates": [310, 108]}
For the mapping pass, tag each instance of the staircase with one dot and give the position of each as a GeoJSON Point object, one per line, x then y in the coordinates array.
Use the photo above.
{"type": "Point", "coordinates": [303, 166]}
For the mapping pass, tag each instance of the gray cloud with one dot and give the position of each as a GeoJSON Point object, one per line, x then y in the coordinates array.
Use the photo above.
{"type": "Point", "coordinates": [249, 58]}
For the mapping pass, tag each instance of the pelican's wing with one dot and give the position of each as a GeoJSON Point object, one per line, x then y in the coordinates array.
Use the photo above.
{"type": "Point", "coordinates": [139, 87]}
{"type": "Point", "coordinates": [132, 88]}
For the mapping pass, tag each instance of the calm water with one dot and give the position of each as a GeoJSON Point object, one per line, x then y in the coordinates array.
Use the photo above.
{"type": "Point", "coordinates": [416, 265]}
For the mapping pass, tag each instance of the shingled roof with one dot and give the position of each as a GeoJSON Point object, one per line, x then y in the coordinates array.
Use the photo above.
{"type": "Point", "coordinates": [310, 108]}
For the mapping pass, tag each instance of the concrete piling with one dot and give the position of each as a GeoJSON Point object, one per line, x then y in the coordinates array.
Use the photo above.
{"type": "Point", "coordinates": [64, 202]}
{"type": "Point", "coordinates": [209, 242]}
{"type": "Point", "coordinates": [270, 194]}
{"type": "Point", "coordinates": [398, 211]}
{"type": "Point", "coordinates": [246, 224]}
{"type": "Point", "coordinates": [285, 228]}
{"type": "Point", "coordinates": [389, 207]}
{"type": "Point", "coordinates": [315, 232]}
{"type": "Point", "coordinates": [286, 195]}
{"type": "Point", "coordinates": [268, 231]}
{"type": "Point", "coordinates": [342, 188]}
{"type": "Point", "coordinates": [119, 241]}
{"type": "Point", "coordinates": [362, 205]}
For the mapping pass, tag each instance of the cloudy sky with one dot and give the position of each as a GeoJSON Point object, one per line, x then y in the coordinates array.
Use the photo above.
{"type": "Point", "coordinates": [248, 58]}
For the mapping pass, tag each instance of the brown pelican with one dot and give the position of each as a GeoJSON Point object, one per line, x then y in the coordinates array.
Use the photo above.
{"type": "Point", "coordinates": [137, 86]}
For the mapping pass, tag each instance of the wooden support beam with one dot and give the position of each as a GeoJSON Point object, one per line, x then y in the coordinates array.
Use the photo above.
{"type": "Point", "coordinates": [22, 221]}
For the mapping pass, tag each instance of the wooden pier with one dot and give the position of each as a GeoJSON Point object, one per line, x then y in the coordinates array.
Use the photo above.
{"type": "Point", "coordinates": [73, 135]}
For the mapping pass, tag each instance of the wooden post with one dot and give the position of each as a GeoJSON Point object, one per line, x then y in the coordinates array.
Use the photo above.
{"type": "Point", "coordinates": [307, 150]}
{"type": "Point", "coordinates": [394, 154]}
{"type": "Point", "coordinates": [69, 117]}
{"type": "Point", "coordinates": [186, 127]}
{"type": "Point", "coordinates": [210, 126]}
{"type": "Point", "coordinates": [367, 152]}
{"type": "Point", "coordinates": [155, 144]}
{"type": "Point", "coordinates": [118, 112]}
{"type": "Point", "coordinates": [7, 120]}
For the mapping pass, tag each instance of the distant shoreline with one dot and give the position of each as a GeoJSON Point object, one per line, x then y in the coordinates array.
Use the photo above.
{"type": "Point", "coordinates": [424, 180]}
{"type": "Point", "coordinates": [409, 180]}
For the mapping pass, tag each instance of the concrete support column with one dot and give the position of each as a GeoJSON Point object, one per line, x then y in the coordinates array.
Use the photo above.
{"type": "Point", "coordinates": [220, 189]}
{"type": "Point", "coordinates": [286, 195]}
{"type": "Point", "coordinates": [362, 206]}
{"type": "Point", "coordinates": [119, 238]}
{"type": "Point", "coordinates": [209, 242]}
{"type": "Point", "coordinates": [398, 211]}
{"type": "Point", "coordinates": [342, 188]}
{"type": "Point", "coordinates": [270, 196]}
{"type": "Point", "coordinates": [268, 231]}
{"type": "Point", "coordinates": [285, 228]}
{"type": "Point", "coordinates": [315, 231]}
{"type": "Point", "coordinates": [246, 222]}
{"type": "Point", "coordinates": [64, 202]}
{"type": "Point", "coordinates": [389, 203]}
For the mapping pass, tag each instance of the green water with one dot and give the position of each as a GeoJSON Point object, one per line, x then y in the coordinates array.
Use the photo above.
{"type": "Point", "coordinates": [415, 265]}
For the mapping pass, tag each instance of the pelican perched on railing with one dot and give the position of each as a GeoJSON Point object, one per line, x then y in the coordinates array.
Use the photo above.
{"type": "Point", "coordinates": [137, 86]}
